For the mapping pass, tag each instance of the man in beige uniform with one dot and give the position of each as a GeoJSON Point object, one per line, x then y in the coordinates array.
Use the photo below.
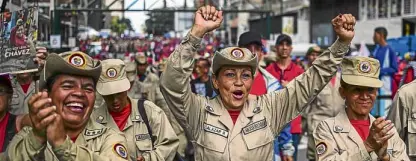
{"type": "Point", "coordinates": [113, 86]}
{"type": "Point", "coordinates": [403, 115]}
{"type": "Point", "coordinates": [149, 89]}
{"type": "Point", "coordinates": [327, 104]}
{"type": "Point", "coordinates": [213, 132]}
{"type": "Point", "coordinates": [20, 97]}
{"type": "Point", "coordinates": [354, 134]}
{"type": "Point", "coordinates": [60, 115]}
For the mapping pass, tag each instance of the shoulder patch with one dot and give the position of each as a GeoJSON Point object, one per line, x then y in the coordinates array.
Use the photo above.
{"type": "Point", "coordinates": [120, 150]}
{"type": "Point", "coordinates": [93, 132]}
{"type": "Point", "coordinates": [215, 130]}
{"type": "Point", "coordinates": [321, 148]}
{"type": "Point", "coordinates": [255, 126]}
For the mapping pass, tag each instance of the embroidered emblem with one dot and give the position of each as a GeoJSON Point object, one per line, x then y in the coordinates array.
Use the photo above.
{"type": "Point", "coordinates": [111, 72]}
{"type": "Point", "coordinates": [321, 148]}
{"type": "Point", "coordinates": [93, 132]}
{"type": "Point", "coordinates": [215, 130]}
{"type": "Point", "coordinates": [255, 126]}
{"type": "Point", "coordinates": [120, 150]}
{"type": "Point", "coordinates": [237, 53]}
{"type": "Point", "coordinates": [140, 137]}
{"type": "Point", "coordinates": [364, 67]}
{"type": "Point", "coordinates": [77, 60]}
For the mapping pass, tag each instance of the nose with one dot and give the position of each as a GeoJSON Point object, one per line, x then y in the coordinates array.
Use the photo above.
{"type": "Point", "coordinates": [78, 92]}
{"type": "Point", "coordinates": [238, 81]}
{"type": "Point", "coordinates": [365, 95]}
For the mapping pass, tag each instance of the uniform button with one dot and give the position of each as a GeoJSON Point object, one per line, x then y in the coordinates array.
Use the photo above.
{"type": "Point", "coordinates": [256, 110]}
{"type": "Point", "coordinates": [414, 116]}
{"type": "Point", "coordinates": [338, 129]}
{"type": "Point", "coordinates": [209, 108]}
{"type": "Point", "coordinates": [66, 153]}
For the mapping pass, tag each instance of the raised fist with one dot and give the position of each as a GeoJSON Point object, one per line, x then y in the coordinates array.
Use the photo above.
{"type": "Point", "coordinates": [343, 25]}
{"type": "Point", "coordinates": [207, 18]}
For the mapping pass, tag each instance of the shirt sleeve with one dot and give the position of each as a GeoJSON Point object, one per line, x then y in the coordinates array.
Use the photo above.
{"type": "Point", "coordinates": [398, 113]}
{"type": "Point", "coordinates": [284, 105]}
{"type": "Point", "coordinates": [175, 84]}
{"type": "Point", "coordinates": [25, 146]}
{"type": "Point", "coordinates": [166, 142]}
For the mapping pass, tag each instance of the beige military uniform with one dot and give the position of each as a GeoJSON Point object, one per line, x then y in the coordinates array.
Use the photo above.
{"type": "Point", "coordinates": [149, 89]}
{"type": "Point", "coordinates": [326, 105]}
{"type": "Point", "coordinates": [95, 143]}
{"type": "Point", "coordinates": [403, 115]}
{"type": "Point", "coordinates": [19, 104]}
{"type": "Point", "coordinates": [337, 140]}
{"type": "Point", "coordinates": [138, 139]}
{"type": "Point", "coordinates": [214, 135]}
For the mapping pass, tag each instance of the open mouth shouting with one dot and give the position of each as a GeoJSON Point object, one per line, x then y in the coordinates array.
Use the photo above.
{"type": "Point", "coordinates": [238, 94]}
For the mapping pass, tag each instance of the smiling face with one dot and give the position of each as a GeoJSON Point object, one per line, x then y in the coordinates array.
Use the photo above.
{"type": "Point", "coordinates": [233, 84]}
{"type": "Point", "coordinates": [74, 98]}
{"type": "Point", "coordinates": [359, 100]}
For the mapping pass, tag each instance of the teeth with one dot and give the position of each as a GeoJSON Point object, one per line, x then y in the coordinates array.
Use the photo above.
{"type": "Point", "coordinates": [74, 104]}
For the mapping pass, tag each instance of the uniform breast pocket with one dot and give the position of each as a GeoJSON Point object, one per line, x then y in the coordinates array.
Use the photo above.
{"type": "Point", "coordinates": [143, 142]}
{"type": "Point", "coordinates": [15, 100]}
{"type": "Point", "coordinates": [257, 135]}
{"type": "Point", "coordinates": [412, 135]}
{"type": "Point", "coordinates": [211, 142]}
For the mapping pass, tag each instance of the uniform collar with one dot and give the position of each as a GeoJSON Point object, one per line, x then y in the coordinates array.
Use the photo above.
{"type": "Point", "coordinates": [342, 123]}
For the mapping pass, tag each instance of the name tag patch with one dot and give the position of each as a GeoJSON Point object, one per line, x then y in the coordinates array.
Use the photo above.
{"type": "Point", "coordinates": [255, 126]}
{"type": "Point", "coordinates": [215, 130]}
{"type": "Point", "coordinates": [140, 137]}
{"type": "Point", "coordinates": [93, 132]}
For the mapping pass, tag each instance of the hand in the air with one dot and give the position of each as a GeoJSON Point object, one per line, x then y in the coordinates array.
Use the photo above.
{"type": "Point", "coordinates": [41, 54]}
{"type": "Point", "coordinates": [344, 27]}
{"type": "Point", "coordinates": [207, 18]}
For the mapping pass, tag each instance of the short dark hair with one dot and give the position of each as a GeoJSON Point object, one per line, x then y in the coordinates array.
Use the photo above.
{"type": "Point", "coordinates": [283, 38]}
{"type": "Point", "coordinates": [381, 30]}
{"type": "Point", "coordinates": [206, 60]}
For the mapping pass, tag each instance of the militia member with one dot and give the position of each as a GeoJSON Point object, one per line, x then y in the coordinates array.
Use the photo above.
{"type": "Point", "coordinates": [327, 104]}
{"type": "Point", "coordinates": [60, 116]}
{"type": "Point", "coordinates": [215, 134]}
{"type": "Point", "coordinates": [146, 86]}
{"type": "Point", "coordinates": [403, 115]}
{"type": "Point", "coordinates": [354, 134]}
{"type": "Point", "coordinates": [123, 113]}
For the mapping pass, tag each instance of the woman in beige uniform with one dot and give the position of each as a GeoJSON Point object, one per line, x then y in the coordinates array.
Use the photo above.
{"type": "Point", "coordinates": [354, 134]}
{"type": "Point", "coordinates": [231, 126]}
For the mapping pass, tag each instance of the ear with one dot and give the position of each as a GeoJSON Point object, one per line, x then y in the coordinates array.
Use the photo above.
{"type": "Point", "coordinates": [215, 82]}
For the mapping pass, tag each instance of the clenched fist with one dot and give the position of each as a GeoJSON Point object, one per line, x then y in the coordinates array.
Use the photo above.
{"type": "Point", "coordinates": [344, 27]}
{"type": "Point", "coordinates": [207, 18]}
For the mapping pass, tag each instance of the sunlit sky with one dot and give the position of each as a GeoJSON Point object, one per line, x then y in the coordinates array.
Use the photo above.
{"type": "Point", "coordinates": [138, 18]}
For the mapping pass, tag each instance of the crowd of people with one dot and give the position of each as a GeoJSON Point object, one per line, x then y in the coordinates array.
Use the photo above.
{"type": "Point", "coordinates": [166, 99]}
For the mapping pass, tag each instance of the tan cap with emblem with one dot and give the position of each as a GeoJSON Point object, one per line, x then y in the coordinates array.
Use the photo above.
{"type": "Point", "coordinates": [141, 58]}
{"type": "Point", "coordinates": [72, 63]}
{"type": "Point", "coordinates": [361, 71]}
{"type": "Point", "coordinates": [131, 70]}
{"type": "Point", "coordinates": [113, 77]}
{"type": "Point", "coordinates": [236, 57]}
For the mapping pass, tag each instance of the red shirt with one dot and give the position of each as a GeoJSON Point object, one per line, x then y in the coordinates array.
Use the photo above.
{"type": "Point", "coordinates": [259, 85]}
{"type": "Point", "coordinates": [362, 127]}
{"type": "Point", "coordinates": [288, 74]}
{"type": "Point", "coordinates": [25, 87]}
{"type": "Point", "coordinates": [234, 115]}
{"type": "Point", "coordinates": [3, 124]}
{"type": "Point", "coordinates": [121, 117]}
